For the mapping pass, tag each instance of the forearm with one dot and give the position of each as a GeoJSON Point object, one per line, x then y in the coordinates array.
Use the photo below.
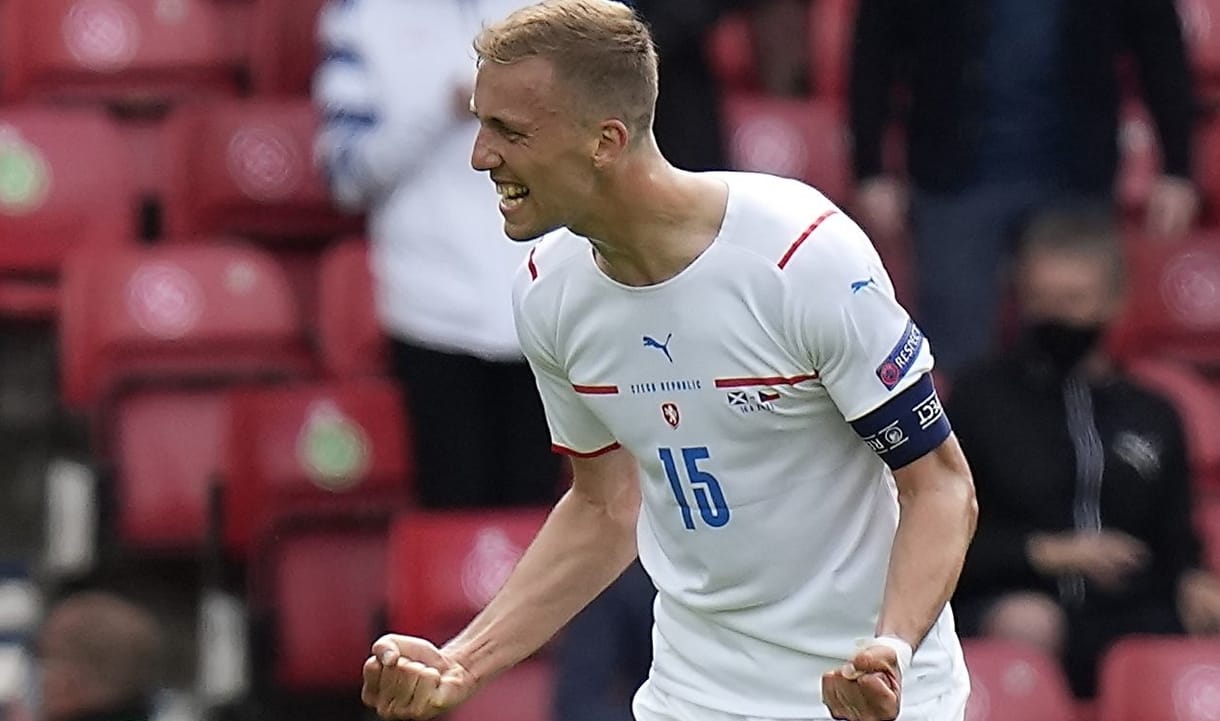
{"type": "Point", "coordinates": [580, 550]}
{"type": "Point", "coordinates": [934, 531]}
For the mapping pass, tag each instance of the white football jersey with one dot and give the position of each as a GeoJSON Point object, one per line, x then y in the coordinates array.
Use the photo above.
{"type": "Point", "coordinates": [767, 521]}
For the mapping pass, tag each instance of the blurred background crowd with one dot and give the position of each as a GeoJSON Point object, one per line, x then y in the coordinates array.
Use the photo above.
{"type": "Point", "coordinates": [261, 397]}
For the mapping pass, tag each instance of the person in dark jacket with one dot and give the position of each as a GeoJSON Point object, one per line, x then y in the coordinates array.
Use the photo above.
{"type": "Point", "coordinates": [1084, 530]}
{"type": "Point", "coordinates": [1013, 104]}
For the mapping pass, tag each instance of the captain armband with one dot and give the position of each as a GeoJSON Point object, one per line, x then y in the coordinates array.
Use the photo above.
{"type": "Point", "coordinates": [908, 426]}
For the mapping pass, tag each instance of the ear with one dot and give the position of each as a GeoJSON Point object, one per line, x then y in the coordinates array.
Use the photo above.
{"type": "Point", "coordinates": [612, 141]}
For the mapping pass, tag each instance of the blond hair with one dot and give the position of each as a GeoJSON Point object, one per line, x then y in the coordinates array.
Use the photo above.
{"type": "Point", "coordinates": [600, 49]}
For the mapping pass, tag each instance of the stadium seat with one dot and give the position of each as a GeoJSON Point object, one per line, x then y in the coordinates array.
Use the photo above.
{"type": "Point", "coordinates": [805, 139]}
{"type": "Point", "coordinates": [1198, 405]}
{"type": "Point", "coordinates": [1207, 167]}
{"type": "Point", "coordinates": [312, 450]}
{"type": "Point", "coordinates": [1151, 678]}
{"type": "Point", "coordinates": [246, 168]}
{"type": "Point", "coordinates": [119, 51]}
{"type": "Point", "coordinates": [324, 605]}
{"type": "Point", "coordinates": [731, 49]}
{"type": "Point", "coordinates": [445, 566]}
{"type": "Point", "coordinates": [1139, 158]}
{"type": "Point", "coordinates": [1173, 304]}
{"type": "Point", "coordinates": [175, 314]}
{"type": "Point", "coordinates": [169, 444]}
{"type": "Point", "coordinates": [63, 184]}
{"type": "Point", "coordinates": [1014, 682]}
{"type": "Point", "coordinates": [523, 693]}
{"type": "Point", "coordinates": [284, 53]}
{"type": "Point", "coordinates": [350, 337]}
{"type": "Point", "coordinates": [1201, 29]}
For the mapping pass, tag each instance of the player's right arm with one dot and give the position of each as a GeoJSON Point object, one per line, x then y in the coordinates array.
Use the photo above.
{"type": "Point", "coordinates": [586, 542]}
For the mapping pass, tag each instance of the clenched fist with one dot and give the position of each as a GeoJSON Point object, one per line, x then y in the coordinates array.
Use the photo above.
{"type": "Point", "coordinates": [409, 679]}
{"type": "Point", "coordinates": [867, 689]}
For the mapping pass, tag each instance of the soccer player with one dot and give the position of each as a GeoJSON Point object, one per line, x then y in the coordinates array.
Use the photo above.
{"type": "Point", "coordinates": [727, 348]}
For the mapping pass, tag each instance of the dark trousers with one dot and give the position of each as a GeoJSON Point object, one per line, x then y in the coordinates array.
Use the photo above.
{"type": "Point", "coordinates": [480, 434]}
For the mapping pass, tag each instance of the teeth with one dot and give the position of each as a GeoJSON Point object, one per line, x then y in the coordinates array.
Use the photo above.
{"type": "Point", "coordinates": [511, 191]}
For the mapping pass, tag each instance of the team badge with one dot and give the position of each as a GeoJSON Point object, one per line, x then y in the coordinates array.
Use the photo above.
{"type": "Point", "coordinates": [669, 412]}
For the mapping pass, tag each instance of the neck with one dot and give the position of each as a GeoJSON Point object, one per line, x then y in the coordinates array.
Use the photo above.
{"type": "Point", "coordinates": [653, 220]}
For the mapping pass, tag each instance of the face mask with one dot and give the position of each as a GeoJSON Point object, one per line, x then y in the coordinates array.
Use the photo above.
{"type": "Point", "coordinates": [1064, 344]}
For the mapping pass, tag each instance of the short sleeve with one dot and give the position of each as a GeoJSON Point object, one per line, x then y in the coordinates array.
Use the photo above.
{"type": "Point", "coordinates": [575, 430]}
{"type": "Point", "coordinates": [862, 342]}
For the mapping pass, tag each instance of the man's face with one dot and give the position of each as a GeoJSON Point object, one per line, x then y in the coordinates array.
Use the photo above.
{"type": "Point", "coordinates": [1075, 288]}
{"type": "Point", "coordinates": [535, 146]}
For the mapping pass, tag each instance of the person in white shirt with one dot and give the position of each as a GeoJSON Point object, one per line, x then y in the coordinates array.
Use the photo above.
{"type": "Point", "coordinates": [393, 95]}
{"type": "Point", "coordinates": [744, 402]}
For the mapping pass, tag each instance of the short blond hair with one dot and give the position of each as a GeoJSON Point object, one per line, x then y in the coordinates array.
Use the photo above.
{"type": "Point", "coordinates": [600, 49]}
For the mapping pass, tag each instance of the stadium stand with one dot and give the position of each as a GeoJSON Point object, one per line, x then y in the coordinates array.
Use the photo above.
{"type": "Point", "coordinates": [283, 52]}
{"type": "Point", "coordinates": [1198, 403]}
{"type": "Point", "coordinates": [522, 694]}
{"type": "Point", "coordinates": [1201, 28]}
{"type": "Point", "coordinates": [63, 184]}
{"type": "Point", "coordinates": [1145, 678]}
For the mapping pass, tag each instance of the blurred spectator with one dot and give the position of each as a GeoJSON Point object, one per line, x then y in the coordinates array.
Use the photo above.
{"type": "Point", "coordinates": [1084, 529]}
{"type": "Point", "coordinates": [394, 91]}
{"type": "Point", "coordinates": [1012, 104]}
{"type": "Point", "coordinates": [100, 660]}
{"type": "Point", "coordinates": [605, 652]}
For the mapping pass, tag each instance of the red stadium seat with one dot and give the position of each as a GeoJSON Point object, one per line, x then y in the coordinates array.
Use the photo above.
{"type": "Point", "coordinates": [326, 599]}
{"type": "Point", "coordinates": [246, 168]}
{"type": "Point", "coordinates": [1013, 682]}
{"type": "Point", "coordinates": [1152, 678]}
{"type": "Point", "coordinates": [1197, 403]}
{"type": "Point", "coordinates": [284, 52]}
{"type": "Point", "coordinates": [168, 449]}
{"type": "Point", "coordinates": [445, 566]}
{"type": "Point", "coordinates": [1207, 167]}
{"type": "Point", "coordinates": [793, 138]}
{"type": "Point", "coordinates": [1173, 308]}
{"type": "Point", "coordinates": [1201, 29]}
{"type": "Point", "coordinates": [312, 450]}
{"type": "Point", "coordinates": [349, 332]}
{"type": "Point", "coordinates": [63, 184]}
{"type": "Point", "coordinates": [524, 693]}
{"type": "Point", "coordinates": [1139, 158]}
{"type": "Point", "coordinates": [731, 48]}
{"type": "Point", "coordinates": [175, 314]}
{"type": "Point", "coordinates": [124, 51]}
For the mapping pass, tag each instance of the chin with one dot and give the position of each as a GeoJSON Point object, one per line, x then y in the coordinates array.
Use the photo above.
{"type": "Point", "coordinates": [525, 234]}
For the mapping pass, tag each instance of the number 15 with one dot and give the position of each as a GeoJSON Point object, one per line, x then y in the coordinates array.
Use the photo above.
{"type": "Point", "coordinates": [708, 496]}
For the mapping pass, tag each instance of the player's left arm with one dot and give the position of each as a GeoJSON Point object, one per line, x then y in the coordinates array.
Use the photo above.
{"type": "Point", "coordinates": [936, 523]}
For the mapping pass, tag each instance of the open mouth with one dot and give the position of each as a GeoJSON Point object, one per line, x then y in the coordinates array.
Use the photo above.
{"type": "Point", "coordinates": [512, 195]}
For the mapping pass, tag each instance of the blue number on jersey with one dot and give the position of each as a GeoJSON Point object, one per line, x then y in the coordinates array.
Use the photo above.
{"type": "Point", "coordinates": [708, 495]}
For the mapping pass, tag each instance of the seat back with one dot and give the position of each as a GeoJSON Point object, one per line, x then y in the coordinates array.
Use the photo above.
{"type": "Point", "coordinates": [1173, 305]}
{"type": "Point", "coordinates": [169, 447]}
{"type": "Point", "coordinates": [1198, 405]}
{"type": "Point", "coordinates": [523, 693]}
{"type": "Point", "coordinates": [445, 566]}
{"type": "Point", "coordinates": [1144, 678]}
{"type": "Point", "coordinates": [284, 51]}
{"type": "Point", "coordinates": [64, 183]}
{"type": "Point", "coordinates": [350, 337]}
{"type": "Point", "coordinates": [246, 168]}
{"type": "Point", "coordinates": [1013, 682]}
{"type": "Point", "coordinates": [317, 449]}
{"type": "Point", "coordinates": [326, 602]}
{"type": "Point", "coordinates": [178, 314]}
{"type": "Point", "coordinates": [803, 139]}
{"type": "Point", "coordinates": [121, 51]}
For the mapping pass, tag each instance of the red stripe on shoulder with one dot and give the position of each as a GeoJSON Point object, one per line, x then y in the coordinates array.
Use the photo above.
{"type": "Point", "coordinates": [565, 451]}
{"type": "Point", "coordinates": [808, 231]}
{"type": "Point", "coordinates": [595, 390]}
{"type": "Point", "coordinates": [530, 264]}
